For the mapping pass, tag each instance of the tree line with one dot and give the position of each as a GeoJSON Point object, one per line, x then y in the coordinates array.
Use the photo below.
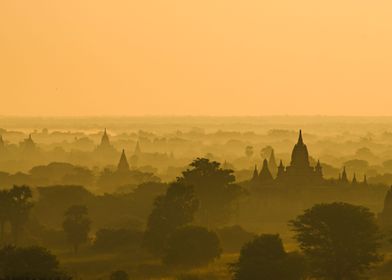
{"type": "Point", "coordinates": [337, 241]}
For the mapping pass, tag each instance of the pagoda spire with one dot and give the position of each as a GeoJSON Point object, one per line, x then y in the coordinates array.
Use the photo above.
{"type": "Point", "coordinates": [265, 174]}
{"type": "Point", "coordinates": [300, 140]}
{"type": "Point", "coordinates": [319, 169]}
{"type": "Point", "coordinates": [255, 173]}
{"type": "Point", "coordinates": [29, 142]}
{"type": "Point", "coordinates": [354, 181]}
{"type": "Point", "coordinates": [300, 155]}
{"type": "Point", "coordinates": [280, 169]}
{"type": "Point", "coordinates": [123, 164]}
{"type": "Point", "coordinates": [272, 163]}
{"type": "Point", "coordinates": [105, 139]}
{"type": "Point", "coordinates": [344, 178]}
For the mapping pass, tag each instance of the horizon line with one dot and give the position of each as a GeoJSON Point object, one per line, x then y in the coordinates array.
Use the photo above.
{"type": "Point", "coordinates": [194, 116]}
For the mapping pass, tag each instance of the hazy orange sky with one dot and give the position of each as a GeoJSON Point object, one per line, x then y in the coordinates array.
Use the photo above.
{"type": "Point", "coordinates": [195, 57]}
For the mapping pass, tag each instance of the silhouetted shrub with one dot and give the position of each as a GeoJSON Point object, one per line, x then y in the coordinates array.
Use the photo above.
{"type": "Point", "coordinates": [265, 258]}
{"type": "Point", "coordinates": [192, 246]}
{"type": "Point", "coordinates": [29, 263]}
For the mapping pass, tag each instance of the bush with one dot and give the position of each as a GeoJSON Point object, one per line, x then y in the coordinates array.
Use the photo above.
{"type": "Point", "coordinates": [192, 246]}
{"type": "Point", "coordinates": [29, 263]}
{"type": "Point", "coordinates": [265, 258]}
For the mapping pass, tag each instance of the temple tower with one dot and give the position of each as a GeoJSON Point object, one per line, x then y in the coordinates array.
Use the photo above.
{"type": "Point", "coordinates": [344, 177]}
{"type": "Point", "coordinates": [318, 170]}
{"type": "Point", "coordinates": [123, 165]}
{"type": "Point", "coordinates": [265, 174]}
{"type": "Point", "coordinates": [272, 166]}
{"type": "Point", "coordinates": [300, 155]}
{"type": "Point", "coordinates": [255, 174]}
{"type": "Point", "coordinates": [105, 142]}
{"type": "Point", "coordinates": [281, 170]}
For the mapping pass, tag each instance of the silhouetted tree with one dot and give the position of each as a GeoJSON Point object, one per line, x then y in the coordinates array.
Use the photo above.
{"type": "Point", "coordinates": [29, 263]}
{"type": "Point", "coordinates": [172, 210]}
{"type": "Point", "coordinates": [192, 246]}
{"type": "Point", "coordinates": [76, 225]}
{"type": "Point", "coordinates": [119, 275]}
{"type": "Point", "coordinates": [215, 189]}
{"type": "Point", "coordinates": [264, 258]}
{"type": "Point", "coordinates": [385, 217]}
{"type": "Point", "coordinates": [20, 208]}
{"type": "Point", "coordinates": [5, 211]}
{"type": "Point", "coordinates": [339, 239]}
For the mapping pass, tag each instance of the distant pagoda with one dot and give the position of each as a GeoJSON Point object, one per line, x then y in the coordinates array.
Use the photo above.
{"type": "Point", "coordinates": [123, 165]}
{"type": "Point", "coordinates": [298, 173]}
{"type": "Point", "coordinates": [105, 148]}
{"type": "Point", "coordinates": [105, 142]}
{"type": "Point", "coordinates": [28, 145]}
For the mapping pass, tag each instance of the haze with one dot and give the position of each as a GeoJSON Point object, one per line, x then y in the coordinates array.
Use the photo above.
{"type": "Point", "coordinates": [220, 57]}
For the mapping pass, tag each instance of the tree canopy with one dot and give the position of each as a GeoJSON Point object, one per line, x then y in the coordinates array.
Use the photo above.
{"type": "Point", "coordinates": [264, 258]}
{"type": "Point", "coordinates": [172, 210]}
{"type": "Point", "coordinates": [15, 206]}
{"type": "Point", "coordinates": [340, 240]}
{"type": "Point", "coordinates": [29, 263]}
{"type": "Point", "coordinates": [77, 225]}
{"type": "Point", "coordinates": [215, 189]}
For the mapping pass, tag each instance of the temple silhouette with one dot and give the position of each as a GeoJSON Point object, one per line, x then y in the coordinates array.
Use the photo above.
{"type": "Point", "coordinates": [123, 165]}
{"type": "Point", "coordinates": [105, 148]}
{"type": "Point", "coordinates": [298, 173]}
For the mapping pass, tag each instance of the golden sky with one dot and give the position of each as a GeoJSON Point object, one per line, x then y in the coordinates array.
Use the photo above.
{"type": "Point", "coordinates": [195, 57]}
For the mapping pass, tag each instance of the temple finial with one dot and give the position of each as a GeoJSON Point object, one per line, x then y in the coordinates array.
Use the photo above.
{"type": "Point", "coordinates": [300, 140]}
